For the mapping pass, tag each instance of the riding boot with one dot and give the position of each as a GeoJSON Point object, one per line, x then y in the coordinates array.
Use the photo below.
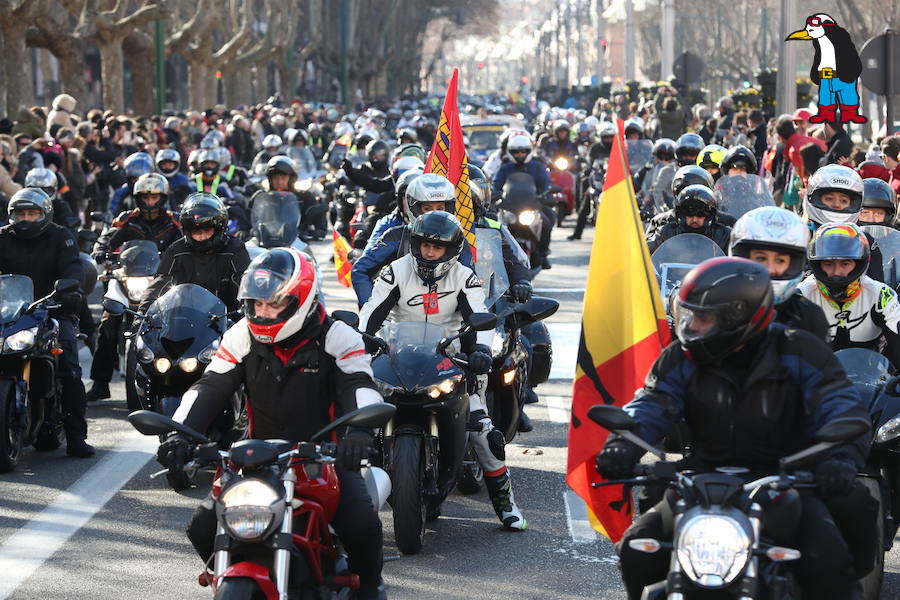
{"type": "Point", "coordinates": [500, 490]}
{"type": "Point", "coordinates": [489, 446]}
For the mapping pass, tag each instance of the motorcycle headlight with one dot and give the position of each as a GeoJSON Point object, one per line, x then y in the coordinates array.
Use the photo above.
{"type": "Point", "coordinates": [386, 389]}
{"type": "Point", "coordinates": [135, 287]}
{"type": "Point", "coordinates": [162, 364]}
{"type": "Point", "coordinates": [189, 365]}
{"type": "Point", "coordinates": [206, 355]}
{"type": "Point", "coordinates": [889, 431]}
{"type": "Point", "coordinates": [445, 387]}
{"type": "Point", "coordinates": [561, 163]}
{"type": "Point", "coordinates": [497, 345]}
{"type": "Point", "coordinates": [527, 217]}
{"type": "Point", "coordinates": [250, 509]}
{"type": "Point", "coordinates": [20, 340]}
{"type": "Point", "coordinates": [712, 549]}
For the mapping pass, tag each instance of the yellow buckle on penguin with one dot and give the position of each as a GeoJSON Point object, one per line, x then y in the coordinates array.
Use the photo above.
{"type": "Point", "coordinates": [827, 73]}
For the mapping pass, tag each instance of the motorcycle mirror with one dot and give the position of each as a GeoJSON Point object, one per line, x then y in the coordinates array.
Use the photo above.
{"type": "Point", "coordinates": [843, 429]}
{"type": "Point", "coordinates": [372, 415]}
{"type": "Point", "coordinates": [98, 216]}
{"type": "Point", "coordinates": [63, 286]}
{"type": "Point", "coordinates": [88, 235]}
{"type": "Point", "coordinates": [611, 417]}
{"type": "Point", "coordinates": [148, 422]}
{"type": "Point", "coordinates": [482, 321]}
{"type": "Point", "coordinates": [539, 308]}
{"type": "Point", "coordinates": [347, 316]}
{"type": "Point", "coordinates": [113, 307]}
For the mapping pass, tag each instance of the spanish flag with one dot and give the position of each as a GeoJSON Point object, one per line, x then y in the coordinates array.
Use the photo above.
{"type": "Point", "coordinates": [623, 330]}
{"type": "Point", "coordinates": [341, 261]}
{"type": "Point", "coordinates": [448, 158]}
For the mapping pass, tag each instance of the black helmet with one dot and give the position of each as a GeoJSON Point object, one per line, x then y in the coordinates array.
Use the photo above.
{"type": "Point", "coordinates": [151, 183]}
{"type": "Point", "coordinates": [691, 175]}
{"type": "Point", "coordinates": [839, 241]}
{"type": "Point", "coordinates": [723, 303]}
{"type": "Point", "coordinates": [440, 228]}
{"type": "Point", "coordinates": [281, 165]}
{"type": "Point", "coordinates": [30, 199]}
{"type": "Point", "coordinates": [298, 135]}
{"type": "Point", "coordinates": [363, 139]}
{"type": "Point", "coordinates": [696, 201]}
{"type": "Point", "coordinates": [878, 194]}
{"type": "Point", "coordinates": [664, 149]}
{"type": "Point", "coordinates": [199, 211]}
{"type": "Point", "coordinates": [377, 152]}
{"type": "Point", "coordinates": [480, 186]}
{"type": "Point", "coordinates": [687, 148]}
{"type": "Point", "coordinates": [741, 157]}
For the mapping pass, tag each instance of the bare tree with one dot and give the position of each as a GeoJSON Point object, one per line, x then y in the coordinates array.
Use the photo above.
{"type": "Point", "coordinates": [17, 15]}
{"type": "Point", "coordinates": [54, 31]}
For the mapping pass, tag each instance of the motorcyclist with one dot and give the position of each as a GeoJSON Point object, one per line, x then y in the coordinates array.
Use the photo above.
{"type": "Point", "coordinates": [372, 233]}
{"type": "Point", "coordinates": [777, 239]}
{"type": "Point", "coordinates": [860, 311]}
{"type": "Point", "coordinates": [205, 255]}
{"type": "Point", "coordinates": [520, 152]}
{"type": "Point", "coordinates": [561, 145]}
{"type": "Point", "coordinates": [710, 158]}
{"type": "Point", "coordinates": [683, 177]}
{"type": "Point", "coordinates": [317, 142]}
{"type": "Point", "coordinates": [134, 166]}
{"type": "Point", "coordinates": [655, 178]}
{"type": "Point", "coordinates": [299, 369]}
{"type": "Point", "coordinates": [168, 164]}
{"type": "Point", "coordinates": [34, 246]}
{"type": "Point", "coordinates": [430, 284]}
{"type": "Point", "coordinates": [739, 160]}
{"type": "Point", "coordinates": [634, 128]}
{"type": "Point", "coordinates": [879, 203]}
{"type": "Point", "coordinates": [234, 176]}
{"type": "Point", "coordinates": [299, 152]}
{"type": "Point", "coordinates": [271, 147]}
{"type": "Point", "coordinates": [48, 181]}
{"type": "Point", "coordinates": [282, 177]}
{"type": "Point", "coordinates": [728, 368]}
{"type": "Point", "coordinates": [149, 221]}
{"type": "Point", "coordinates": [687, 148]}
{"type": "Point", "coordinates": [209, 180]}
{"type": "Point", "coordinates": [606, 131]}
{"type": "Point", "coordinates": [376, 168]}
{"type": "Point", "coordinates": [696, 208]}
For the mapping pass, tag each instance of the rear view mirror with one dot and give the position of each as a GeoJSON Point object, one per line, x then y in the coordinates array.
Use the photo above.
{"type": "Point", "coordinates": [148, 422]}
{"type": "Point", "coordinates": [843, 429]}
{"type": "Point", "coordinates": [611, 417]}
{"type": "Point", "coordinates": [347, 316]}
{"type": "Point", "coordinates": [539, 308]}
{"type": "Point", "coordinates": [372, 415]}
{"type": "Point", "coordinates": [98, 216]}
{"type": "Point", "coordinates": [482, 321]}
{"type": "Point", "coordinates": [63, 286]}
{"type": "Point", "coordinates": [113, 307]}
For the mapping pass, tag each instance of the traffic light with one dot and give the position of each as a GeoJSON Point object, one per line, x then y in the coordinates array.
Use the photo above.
{"type": "Point", "coordinates": [480, 65]}
{"type": "Point", "coordinates": [604, 44]}
{"type": "Point", "coordinates": [523, 80]}
{"type": "Point", "coordinates": [218, 74]}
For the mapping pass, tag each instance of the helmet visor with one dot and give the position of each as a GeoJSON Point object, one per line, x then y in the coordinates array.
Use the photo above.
{"type": "Point", "coordinates": [834, 245]}
{"type": "Point", "coordinates": [695, 323]}
{"type": "Point", "coordinates": [263, 283]}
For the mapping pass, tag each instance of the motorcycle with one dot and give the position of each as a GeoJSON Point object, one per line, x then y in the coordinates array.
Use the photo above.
{"type": "Point", "coordinates": [888, 240]}
{"type": "Point", "coordinates": [739, 194]}
{"type": "Point", "coordinates": [562, 177]}
{"type": "Point", "coordinates": [678, 255]}
{"type": "Point", "coordinates": [721, 545]}
{"type": "Point", "coordinates": [29, 393]}
{"type": "Point", "coordinates": [520, 210]}
{"type": "Point", "coordinates": [274, 501]}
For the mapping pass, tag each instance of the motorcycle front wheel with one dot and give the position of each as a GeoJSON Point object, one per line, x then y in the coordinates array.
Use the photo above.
{"type": "Point", "coordinates": [471, 475]}
{"type": "Point", "coordinates": [131, 396]}
{"type": "Point", "coordinates": [10, 437]}
{"type": "Point", "coordinates": [407, 501]}
{"type": "Point", "coordinates": [239, 588]}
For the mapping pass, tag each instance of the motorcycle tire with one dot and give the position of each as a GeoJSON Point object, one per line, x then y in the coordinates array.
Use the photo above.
{"type": "Point", "coordinates": [560, 213]}
{"type": "Point", "coordinates": [471, 475]}
{"type": "Point", "coordinates": [10, 441]}
{"type": "Point", "coordinates": [239, 588]}
{"type": "Point", "coordinates": [132, 399]}
{"type": "Point", "coordinates": [50, 434]}
{"type": "Point", "coordinates": [407, 499]}
{"type": "Point", "coordinates": [871, 583]}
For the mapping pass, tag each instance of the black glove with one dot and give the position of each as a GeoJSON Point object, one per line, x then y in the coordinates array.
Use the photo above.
{"type": "Point", "coordinates": [835, 476]}
{"type": "Point", "coordinates": [480, 360]}
{"type": "Point", "coordinates": [175, 452]}
{"type": "Point", "coordinates": [346, 165]}
{"type": "Point", "coordinates": [521, 291]}
{"type": "Point", "coordinates": [353, 448]}
{"type": "Point", "coordinates": [71, 301]}
{"type": "Point", "coordinates": [618, 459]}
{"type": "Point", "coordinates": [374, 345]}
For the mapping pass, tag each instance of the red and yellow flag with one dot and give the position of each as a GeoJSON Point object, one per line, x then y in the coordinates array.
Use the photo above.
{"type": "Point", "coordinates": [341, 260]}
{"type": "Point", "coordinates": [448, 158]}
{"type": "Point", "coordinates": [621, 336]}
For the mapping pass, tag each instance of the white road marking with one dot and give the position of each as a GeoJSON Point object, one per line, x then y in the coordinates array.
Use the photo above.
{"type": "Point", "coordinates": [26, 550]}
{"type": "Point", "coordinates": [565, 338]}
{"type": "Point", "coordinates": [577, 518]}
{"type": "Point", "coordinates": [559, 290]}
{"type": "Point", "coordinates": [558, 408]}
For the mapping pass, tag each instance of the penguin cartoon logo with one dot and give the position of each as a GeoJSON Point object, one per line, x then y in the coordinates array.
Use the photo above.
{"type": "Point", "coordinates": [835, 69]}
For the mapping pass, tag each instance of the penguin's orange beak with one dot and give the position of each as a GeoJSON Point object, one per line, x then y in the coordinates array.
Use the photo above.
{"type": "Point", "coordinates": [799, 35]}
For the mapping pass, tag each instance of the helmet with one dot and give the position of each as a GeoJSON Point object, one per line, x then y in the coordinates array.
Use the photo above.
{"type": "Point", "coordinates": [404, 164]}
{"type": "Point", "coordinates": [407, 135]}
{"type": "Point", "coordinates": [695, 201]}
{"type": "Point", "coordinates": [480, 186]}
{"type": "Point", "coordinates": [711, 156]}
{"type": "Point", "coordinates": [429, 187]}
{"type": "Point", "coordinates": [297, 135]}
{"type": "Point", "coordinates": [166, 155]}
{"type": "Point", "coordinates": [30, 199]}
{"type": "Point", "coordinates": [137, 164]}
{"type": "Point", "coordinates": [280, 276]}
{"type": "Point", "coordinates": [193, 160]}
{"type": "Point", "coordinates": [723, 303]}
{"type": "Point", "coordinates": [664, 149]}
{"type": "Point", "coordinates": [199, 211]}
{"type": "Point", "coordinates": [364, 137]}
{"type": "Point", "coordinates": [584, 130]}
{"type": "Point", "coordinates": [878, 194]}
{"type": "Point", "coordinates": [43, 178]}
{"type": "Point", "coordinates": [835, 241]}
{"type": "Point", "coordinates": [690, 175]}
{"type": "Point", "coordinates": [377, 153]}
{"type": "Point", "coordinates": [281, 165]}
{"type": "Point", "coordinates": [560, 125]}
{"type": "Point", "coordinates": [272, 142]}
{"type": "Point", "coordinates": [773, 228]}
{"type": "Point", "coordinates": [521, 144]}
{"type": "Point", "coordinates": [687, 148]}
{"type": "Point", "coordinates": [209, 141]}
{"type": "Point", "coordinates": [741, 157]}
{"type": "Point", "coordinates": [313, 128]}
{"type": "Point", "coordinates": [634, 125]}
{"type": "Point", "coordinates": [441, 228]}
{"type": "Point", "coordinates": [606, 129]}
{"type": "Point", "coordinates": [591, 121]}
{"type": "Point", "coordinates": [833, 178]}
{"type": "Point", "coordinates": [205, 158]}
{"type": "Point", "coordinates": [151, 183]}
{"type": "Point", "coordinates": [409, 150]}
{"type": "Point", "coordinates": [400, 188]}
{"type": "Point", "coordinates": [224, 157]}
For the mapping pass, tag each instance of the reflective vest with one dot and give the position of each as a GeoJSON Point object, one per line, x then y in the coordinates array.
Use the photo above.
{"type": "Point", "coordinates": [213, 187]}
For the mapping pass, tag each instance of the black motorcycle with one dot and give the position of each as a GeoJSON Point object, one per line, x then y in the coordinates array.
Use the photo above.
{"type": "Point", "coordinates": [520, 210]}
{"type": "Point", "coordinates": [29, 392]}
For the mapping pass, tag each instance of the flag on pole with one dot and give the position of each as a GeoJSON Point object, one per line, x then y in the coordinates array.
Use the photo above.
{"type": "Point", "coordinates": [341, 260]}
{"type": "Point", "coordinates": [448, 158]}
{"type": "Point", "coordinates": [623, 330]}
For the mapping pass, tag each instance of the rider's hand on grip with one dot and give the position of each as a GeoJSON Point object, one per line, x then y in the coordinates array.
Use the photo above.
{"type": "Point", "coordinates": [175, 452]}
{"type": "Point", "coordinates": [346, 165]}
{"type": "Point", "coordinates": [618, 459]}
{"type": "Point", "coordinates": [352, 449]}
{"type": "Point", "coordinates": [835, 477]}
{"type": "Point", "coordinates": [521, 291]}
{"type": "Point", "coordinates": [480, 360]}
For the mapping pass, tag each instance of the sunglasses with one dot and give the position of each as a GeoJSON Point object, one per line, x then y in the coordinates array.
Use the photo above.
{"type": "Point", "coordinates": [817, 22]}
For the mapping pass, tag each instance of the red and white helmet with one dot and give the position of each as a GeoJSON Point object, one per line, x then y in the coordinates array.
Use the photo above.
{"type": "Point", "coordinates": [280, 276]}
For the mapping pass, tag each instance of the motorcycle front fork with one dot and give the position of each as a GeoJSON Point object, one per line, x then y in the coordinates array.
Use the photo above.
{"type": "Point", "coordinates": [285, 542]}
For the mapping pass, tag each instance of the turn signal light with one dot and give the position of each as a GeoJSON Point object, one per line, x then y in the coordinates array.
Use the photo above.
{"type": "Point", "coordinates": [56, 351]}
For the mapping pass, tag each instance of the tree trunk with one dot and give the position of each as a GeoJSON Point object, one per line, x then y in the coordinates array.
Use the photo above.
{"type": "Point", "coordinates": [237, 84]}
{"type": "Point", "coordinates": [138, 49]}
{"type": "Point", "coordinates": [3, 109]}
{"type": "Point", "coordinates": [19, 88]}
{"type": "Point", "coordinates": [112, 64]}
{"type": "Point", "coordinates": [199, 85]}
{"type": "Point", "coordinates": [72, 66]}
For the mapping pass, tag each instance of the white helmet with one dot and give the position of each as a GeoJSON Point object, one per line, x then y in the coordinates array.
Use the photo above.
{"type": "Point", "coordinates": [833, 178]}
{"type": "Point", "coordinates": [606, 128]}
{"type": "Point", "coordinates": [429, 187]}
{"type": "Point", "coordinates": [591, 121]}
{"type": "Point", "coordinates": [519, 142]}
{"type": "Point", "coordinates": [272, 141]}
{"type": "Point", "coordinates": [773, 228]}
{"type": "Point", "coordinates": [635, 124]}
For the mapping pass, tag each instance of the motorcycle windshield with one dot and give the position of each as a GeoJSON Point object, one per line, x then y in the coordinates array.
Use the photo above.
{"type": "Point", "coordinates": [519, 192]}
{"type": "Point", "coordinates": [183, 319]}
{"type": "Point", "coordinates": [867, 370]}
{"type": "Point", "coordinates": [678, 255]}
{"type": "Point", "coordinates": [336, 155]}
{"type": "Point", "coordinates": [16, 293]}
{"type": "Point", "coordinates": [139, 258]}
{"type": "Point", "coordinates": [413, 362]}
{"type": "Point", "coordinates": [739, 194]}
{"type": "Point", "coordinates": [638, 153]}
{"type": "Point", "coordinates": [489, 267]}
{"type": "Point", "coordinates": [275, 217]}
{"type": "Point", "coordinates": [887, 240]}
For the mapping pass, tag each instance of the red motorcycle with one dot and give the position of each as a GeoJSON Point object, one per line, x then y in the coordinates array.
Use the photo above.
{"type": "Point", "coordinates": [562, 177]}
{"type": "Point", "coordinates": [274, 502]}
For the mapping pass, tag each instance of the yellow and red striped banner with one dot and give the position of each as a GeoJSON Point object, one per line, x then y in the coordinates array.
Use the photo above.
{"type": "Point", "coordinates": [341, 259]}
